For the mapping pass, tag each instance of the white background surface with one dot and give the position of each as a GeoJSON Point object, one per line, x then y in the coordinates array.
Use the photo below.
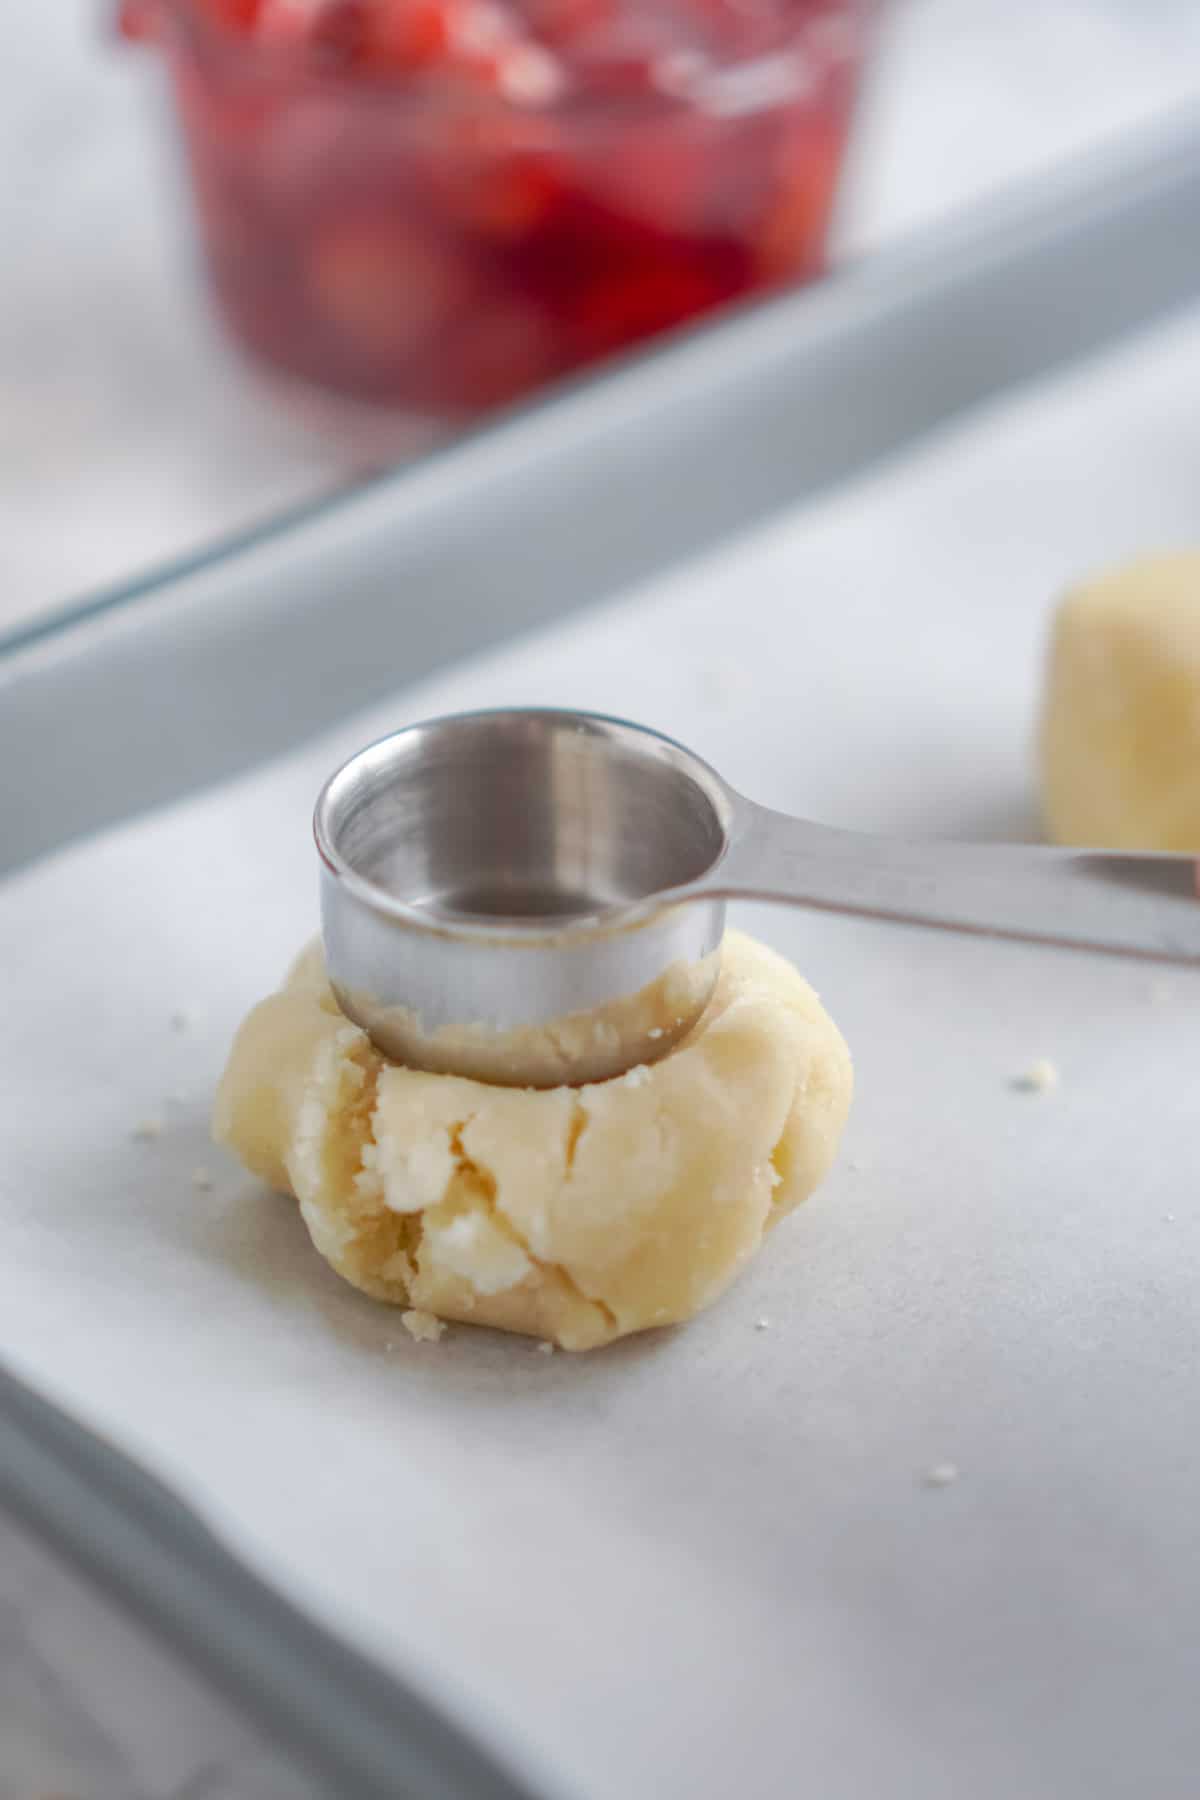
{"type": "Point", "coordinates": [705, 1563]}
{"type": "Point", "coordinates": [128, 433]}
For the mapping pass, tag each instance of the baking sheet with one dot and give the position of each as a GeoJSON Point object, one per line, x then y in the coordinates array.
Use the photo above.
{"type": "Point", "coordinates": [707, 1562]}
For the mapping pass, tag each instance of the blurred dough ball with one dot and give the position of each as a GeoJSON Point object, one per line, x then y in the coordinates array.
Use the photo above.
{"type": "Point", "coordinates": [1120, 729]}
{"type": "Point", "coordinates": [576, 1215]}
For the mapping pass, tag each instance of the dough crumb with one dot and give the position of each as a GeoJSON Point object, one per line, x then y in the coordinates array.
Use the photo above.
{"type": "Point", "coordinates": [940, 1475]}
{"type": "Point", "coordinates": [762, 1324]}
{"type": "Point", "coordinates": [638, 1077]}
{"type": "Point", "coordinates": [422, 1326]}
{"type": "Point", "coordinates": [545, 1349]}
{"type": "Point", "coordinates": [1040, 1077]}
{"type": "Point", "coordinates": [146, 1129]}
{"type": "Point", "coordinates": [202, 1180]}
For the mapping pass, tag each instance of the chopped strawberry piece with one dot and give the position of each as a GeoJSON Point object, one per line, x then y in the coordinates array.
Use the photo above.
{"type": "Point", "coordinates": [664, 174]}
{"type": "Point", "coordinates": [506, 349]}
{"type": "Point", "coordinates": [286, 22]}
{"type": "Point", "coordinates": [332, 33]}
{"type": "Point", "coordinates": [386, 286]}
{"type": "Point", "coordinates": [339, 32]}
{"type": "Point", "coordinates": [791, 234]}
{"type": "Point", "coordinates": [508, 199]}
{"type": "Point", "coordinates": [410, 36]}
{"type": "Point", "coordinates": [142, 18]}
{"type": "Point", "coordinates": [641, 301]}
{"type": "Point", "coordinates": [234, 15]}
{"type": "Point", "coordinates": [137, 19]}
{"type": "Point", "coordinates": [562, 23]}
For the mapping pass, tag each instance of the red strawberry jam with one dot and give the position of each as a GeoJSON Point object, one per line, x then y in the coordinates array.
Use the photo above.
{"type": "Point", "coordinates": [441, 204]}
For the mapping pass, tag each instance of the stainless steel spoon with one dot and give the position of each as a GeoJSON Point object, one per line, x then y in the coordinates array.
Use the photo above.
{"type": "Point", "coordinates": [535, 897]}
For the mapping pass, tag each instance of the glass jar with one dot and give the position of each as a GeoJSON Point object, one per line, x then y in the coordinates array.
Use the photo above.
{"type": "Point", "coordinates": [448, 237]}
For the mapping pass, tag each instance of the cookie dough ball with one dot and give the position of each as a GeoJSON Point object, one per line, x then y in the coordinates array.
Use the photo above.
{"type": "Point", "coordinates": [1120, 731]}
{"type": "Point", "coordinates": [572, 1214]}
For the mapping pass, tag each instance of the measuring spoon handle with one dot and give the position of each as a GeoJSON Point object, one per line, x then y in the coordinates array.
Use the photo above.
{"type": "Point", "coordinates": [1141, 904]}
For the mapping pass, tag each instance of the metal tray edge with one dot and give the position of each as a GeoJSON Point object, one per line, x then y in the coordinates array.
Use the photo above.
{"type": "Point", "coordinates": [184, 680]}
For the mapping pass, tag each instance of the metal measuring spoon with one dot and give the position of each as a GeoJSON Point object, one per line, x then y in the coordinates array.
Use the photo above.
{"type": "Point", "coordinates": [535, 897]}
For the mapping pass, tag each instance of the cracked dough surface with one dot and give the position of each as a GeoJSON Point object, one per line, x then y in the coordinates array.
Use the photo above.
{"type": "Point", "coordinates": [576, 1215]}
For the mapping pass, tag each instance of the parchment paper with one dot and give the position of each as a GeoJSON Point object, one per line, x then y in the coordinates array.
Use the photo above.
{"type": "Point", "coordinates": [707, 1563]}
